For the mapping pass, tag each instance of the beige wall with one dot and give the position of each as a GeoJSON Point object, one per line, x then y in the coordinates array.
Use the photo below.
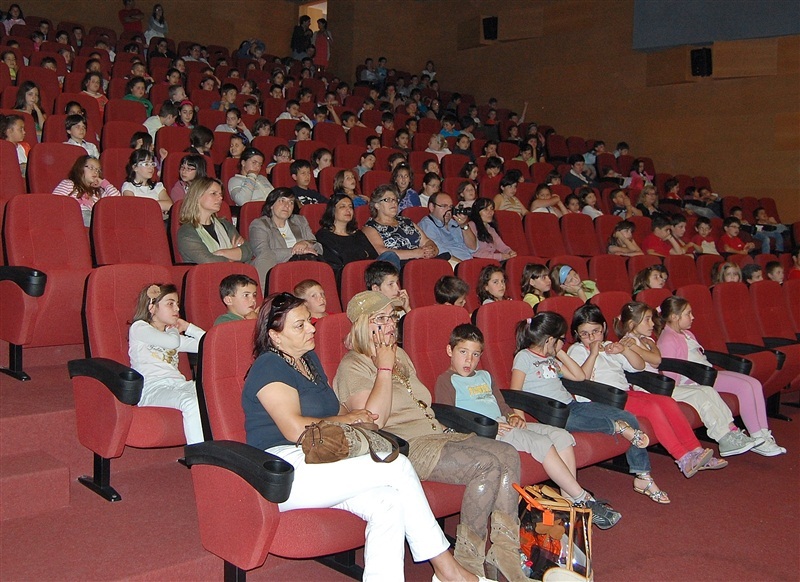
{"type": "Point", "coordinates": [581, 76]}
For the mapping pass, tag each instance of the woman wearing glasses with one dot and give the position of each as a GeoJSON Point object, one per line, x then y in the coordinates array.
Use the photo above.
{"type": "Point", "coordinates": [286, 390]}
{"type": "Point", "coordinates": [390, 232]}
{"type": "Point", "coordinates": [86, 184]}
{"type": "Point", "coordinates": [204, 237]}
{"type": "Point", "coordinates": [378, 376]}
{"type": "Point", "coordinates": [140, 169]}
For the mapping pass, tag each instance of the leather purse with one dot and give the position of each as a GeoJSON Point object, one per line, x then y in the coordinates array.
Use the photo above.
{"type": "Point", "coordinates": [328, 442]}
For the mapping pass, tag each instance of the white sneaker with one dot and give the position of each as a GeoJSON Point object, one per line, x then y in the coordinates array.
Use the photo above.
{"type": "Point", "coordinates": [769, 448]}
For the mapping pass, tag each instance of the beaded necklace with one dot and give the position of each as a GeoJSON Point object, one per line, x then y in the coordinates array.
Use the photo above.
{"type": "Point", "coordinates": [402, 376]}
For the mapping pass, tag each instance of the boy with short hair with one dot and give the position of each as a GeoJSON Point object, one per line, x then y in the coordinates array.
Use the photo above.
{"type": "Point", "coordinates": [661, 242]}
{"type": "Point", "coordinates": [177, 94]}
{"type": "Point", "coordinates": [449, 126]}
{"type": "Point", "coordinates": [774, 272]}
{"type": "Point", "coordinates": [703, 241]}
{"type": "Point", "coordinates": [450, 290]}
{"type": "Point", "coordinates": [227, 97]}
{"type": "Point", "coordinates": [293, 112]}
{"type": "Point", "coordinates": [365, 164]}
{"type": "Point", "coordinates": [384, 277]}
{"type": "Point", "coordinates": [239, 293]}
{"type": "Point", "coordinates": [167, 115]}
{"type": "Point", "coordinates": [387, 122]}
{"type": "Point", "coordinates": [730, 241]}
{"type": "Point", "coordinates": [752, 273]}
{"type": "Point", "coordinates": [76, 130]}
{"type": "Point", "coordinates": [766, 228]}
{"type": "Point", "coordinates": [302, 132]}
{"type": "Point", "coordinates": [301, 174]}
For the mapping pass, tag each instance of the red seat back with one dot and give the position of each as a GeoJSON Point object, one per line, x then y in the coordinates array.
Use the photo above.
{"type": "Point", "coordinates": [425, 343]}
{"type": "Point", "coordinates": [124, 110]}
{"type": "Point", "coordinates": [578, 264]}
{"type": "Point", "coordinates": [313, 213]}
{"type": "Point", "coordinates": [173, 138]}
{"type": "Point", "coordinates": [330, 133]}
{"type": "Point", "coordinates": [117, 134]}
{"type": "Point", "coordinates": [578, 234]}
{"type": "Point", "coordinates": [770, 309]}
{"type": "Point", "coordinates": [470, 271]}
{"type": "Point", "coordinates": [610, 303]}
{"type": "Point", "coordinates": [706, 323]}
{"type": "Point", "coordinates": [329, 341]}
{"type": "Point", "coordinates": [603, 227]}
{"type": "Point", "coordinates": [610, 272]}
{"type": "Point", "coordinates": [117, 237]}
{"type": "Point", "coordinates": [735, 313]}
{"type": "Point", "coordinates": [452, 164]}
{"type": "Point", "coordinates": [373, 179]}
{"type": "Point", "coordinates": [10, 173]}
{"type": "Point", "coordinates": [201, 299]}
{"type": "Point", "coordinates": [639, 262]}
{"type": "Point", "coordinates": [682, 271]}
{"type": "Point", "coordinates": [543, 234]}
{"type": "Point", "coordinates": [353, 280]}
{"type": "Point", "coordinates": [498, 322]}
{"type": "Point", "coordinates": [653, 297]}
{"type": "Point", "coordinates": [348, 155]}
{"type": "Point", "coordinates": [509, 227]}
{"type": "Point", "coordinates": [705, 264]}
{"type": "Point", "coordinates": [564, 306]}
{"type": "Point", "coordinates": [49, 163]}
{"type": "Point", "coordinates": [284, 276]}
{"type": "Point", "coordinates": [113, 162]}
{"type": "Point", "coordinates": [419, 278]}
{"type": "Point", "coordinates": [791, 290]}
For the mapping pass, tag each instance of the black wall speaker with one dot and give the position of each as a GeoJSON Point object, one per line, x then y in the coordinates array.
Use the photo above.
{"type": "Point", "coordinates": [701, 62]}
{"type": "Point", "coordinates": [490, 28]}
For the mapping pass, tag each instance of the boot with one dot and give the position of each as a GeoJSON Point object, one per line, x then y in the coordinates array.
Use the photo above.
{"type": "Point", "coordinates": [504, 553]}
{"type": "Point", "coordinates": [470, 550]}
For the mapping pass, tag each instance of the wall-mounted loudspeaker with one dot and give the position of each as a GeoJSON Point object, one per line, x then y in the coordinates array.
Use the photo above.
{"type": "Point", "coordinates": [701, 62]}
{"type": "Point", "coordinates": [490, 28]}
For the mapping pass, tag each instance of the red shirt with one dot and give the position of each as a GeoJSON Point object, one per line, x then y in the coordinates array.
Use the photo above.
{"type": "Point", "coordinates": [733, 242]}
{"type": "Point", "coordinates": [652, 243]}
{"type": "Point", "coordinates": [794, 273]}
{"type": "Point", "coordinates": [134, 25]}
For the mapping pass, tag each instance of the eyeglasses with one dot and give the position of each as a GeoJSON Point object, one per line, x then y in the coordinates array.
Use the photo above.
{"type": "Point", "coordinates": [445, 206]}
{"type": "Point", "coordinates": [388, 200]}
{"type": "Point", "coordinates": [384, 319]}
{"type": "Point", "coordinates": [92, 169]}
{"type": "Point", "coordinates": [561, 339]}
{"type": "Point", "coordinates": [592, 333]}
{"type": "Point", "coordinates": [279, 303]}
{"type": "Point", "coordinates": [146, 164]}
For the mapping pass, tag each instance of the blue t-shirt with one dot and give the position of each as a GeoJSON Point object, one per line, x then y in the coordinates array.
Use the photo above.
{"type": "Point", "coordinates": [316, 400]}
{"type": "Point", "coordinates": [474, 393]}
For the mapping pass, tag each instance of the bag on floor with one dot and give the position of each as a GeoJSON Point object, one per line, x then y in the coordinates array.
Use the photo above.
{"type": "Point", "coordinates": [328, 442]}
{"type": "Point", "coordinates": [554, 533]}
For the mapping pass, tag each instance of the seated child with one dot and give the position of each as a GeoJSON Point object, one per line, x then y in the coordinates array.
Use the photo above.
{"type": "Point", "coordinates": [365, 164]}
{"type": "Point", "coordinates": [621, 241]}
{"type": "Point", "coordinates": [678, 222]}
{"type": "Point", "coordinates": [76, 130]}
{"type": "Point", "coordinates": [566, 281]}
{"type": "Point", "coordinates": [606, 362]}
{"type": "Point", "coordinates": [239, 293]}
{"type": "Point", "coordinates": [622, 205]}
{"type": "Point", "coordinates": [451, 290]}
{"type": "Point", "coordinates": [730, 242]}
{"type": "Point", "coordinates": [704, 243]}
{"type": "Point", "coordinates": [573, 204]}
{"type": "Point", "coordinates": [384, 277]}
{"type": "Point", "coordinates": [314, 295]}
{"type": "Point", "coordinates": [652, 277]}
{"type": "Point", "coordinates": [766, 229]}
{"type": "Point", "coordinates": [302, 176]}
{"type": "Point", "coordinates": [12, 129]}
{"type": "Point", "coordinates": [464, 386]}
{"type": "Point", "coordinates": [752, 273]}
{"type": "Point", "coordinates": [588, 200]}
{"type": "Point", "coordinates": [726, 273]}
{"type": "Point", "coordinates": [774, 272]}
{"type": "Point", "coordinates": [661, 241]}
{"type": "Point", "coordinates": [280, 155]}
{"type": "Point", "coordinates": [492, 285]}
{"type": "Point", "coordinates": [536, 283]}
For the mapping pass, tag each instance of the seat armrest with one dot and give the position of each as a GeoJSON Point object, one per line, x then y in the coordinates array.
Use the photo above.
{"type": "Point", "coordinates": [31, 281]}
{"type": "Point", "coordinates": [653, 383]}
{"type": "Point", "coordinates": [698, 373]}
{"type": "Point", "coordinates": [124, 383]}
{"type": "Point", "coordinates": [402, 444]}
{"type": "Point", "coordinates": [730, 362]}
{"type": "Point", "coordinates": [545, 410]}
{"type": "Point", "coordinates": [597, 392]}
{"type": "Point", "coordinates": [744, 349]}
{"type": "Point", "coordinates": [778, 342]}
{"type": "Point", "coordinates": [462, 420]}
{"type": "Point", "coordinates": [268, 474]}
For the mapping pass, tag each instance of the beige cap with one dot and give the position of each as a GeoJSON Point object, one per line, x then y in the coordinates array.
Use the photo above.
{"type": "Point", "coordinates": [366, 302]}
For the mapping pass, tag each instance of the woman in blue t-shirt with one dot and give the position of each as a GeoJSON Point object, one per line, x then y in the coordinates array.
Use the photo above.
{"type": "Point", "coordinates": [286, 390]}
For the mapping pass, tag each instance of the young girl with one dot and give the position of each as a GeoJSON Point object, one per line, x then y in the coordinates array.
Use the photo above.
{"type": "Point", "coordinates": [492, 285]}
{"type": "Point", "coordinates": [566, 281]}
{"type": "Point", "coordinates": [29, 101]}
{"type": "Point", "coordinates": [507, 198]}
{"type": "Point", "coordinates": [483, 225]}
{"type": "Point", "coordinates": [607, 362]}
{"type": "Point", "coordinates": [539, 364]}
{"type": "Point", "coordinates": [12, 129]}
{"type": "Point", "coordinates": [402, 178]}
{"type": "Point", "coordinates": [621, 240]}
{"type": "Point", "coordinates": [676, 341]}
{"type": "Point", "coordinates": [652, 277]}
{"type": "Point", "coordinates": [589, 203]}
{"type": "Point", "coordinates": [76, 134]}
{"type": "Point", "coordinates": [467, 195]}
{"type": "Point", "coordinates": [321, 159]}
{"type": "Point", "coordinates": [536, 284]}
{"type": "Point", "coordinates": [573, 204]}
{"type": "Point", "coordinates": [239, 143]}
{"type": "Point", "coordinates": [313, 294]}
{"type": "Point", "coordinates": [86, 184]}
{"type": "Point", "coordinates": [140, 169]}
{"type": "Point", "coordinates": [156, 336]}
{"type": "Point", "coordinates": [636, 323]}
{"type": "Point", "coordinates": [545, 201]}
{"type": "Point", "coordinates": [431, 184]}
{"type": "Point", "coordinates": [192, 166]}
{"type": "Point", "coordinates": [726, 273]}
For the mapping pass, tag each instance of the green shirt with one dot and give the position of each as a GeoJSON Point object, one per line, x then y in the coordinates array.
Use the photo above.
{"type": "Point", "coordinates": [226, 317]}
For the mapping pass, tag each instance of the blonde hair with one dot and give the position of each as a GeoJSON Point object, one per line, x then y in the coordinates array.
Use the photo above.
{"type": "Point", "coordinates": [190, 209]}
{"type": "Point", "coordinates": [303, 286]}
{"type": "Point", "coordinates": [719, 270]}
{"type": "Point", "coordinates": [645, 191]}
{"type": "Point", "coordinates": [360, 336]}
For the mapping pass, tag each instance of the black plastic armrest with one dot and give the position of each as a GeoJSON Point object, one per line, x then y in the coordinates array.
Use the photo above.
{"type": "Point", "coordinates": [597, 392]}
{"type": "Point", "coordinates": [778, 342]}
{"type": "Point", "coordinates": [653, 383]}
{"type": "Point", "coordinates": [124, 383]}
{"type": "Point", "coordinates": [698, 373]}
{"type": "Point", "coordinates": [545, 410]}
{"type": "Point", "coordinates": [462, 420]}
{"type": "Point", "coordinates": [729, 362]}
{"type": "Point", "coordinates": [31, 281]}
{"type": "Point", "coordinates": [402, 444]}
{"type": "Point", "coordinates": [745, 349]}
{"type": "Point", "coordinates": [268, 474]}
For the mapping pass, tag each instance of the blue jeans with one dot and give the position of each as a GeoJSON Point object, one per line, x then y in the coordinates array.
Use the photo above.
{"type": "Point", "coordinates": [597, 417]}
{"type": "Point", "coordinates": [390, 257]}
{"type": "Point", "coordinates": [764, 236]}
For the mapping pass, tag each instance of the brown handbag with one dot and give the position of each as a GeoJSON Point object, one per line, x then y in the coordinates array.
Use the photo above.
{"type": "Point", "coordinates": [327, 442]}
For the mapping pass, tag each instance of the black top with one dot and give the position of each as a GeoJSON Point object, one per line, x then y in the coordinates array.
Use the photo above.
{"type": "Point", "coordinates": [316, 400]}
{"type": "Point", "coordinates": [338, 250]}
{"type": "Point", "coordinates": [306, 196]}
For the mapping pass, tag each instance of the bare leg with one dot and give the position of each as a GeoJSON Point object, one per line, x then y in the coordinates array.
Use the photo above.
{"type": "Point", "coordinates": [559, 472]}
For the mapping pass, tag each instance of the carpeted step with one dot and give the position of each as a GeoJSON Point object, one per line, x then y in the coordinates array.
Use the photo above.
{"type": "Point", "coordinates": [32, 483]}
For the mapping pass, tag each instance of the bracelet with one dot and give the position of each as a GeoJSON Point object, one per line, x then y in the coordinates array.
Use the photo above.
{"type": "Point", "coordinates": [513, 415]}
{"type": "Point", "coordinates": [384, 369]}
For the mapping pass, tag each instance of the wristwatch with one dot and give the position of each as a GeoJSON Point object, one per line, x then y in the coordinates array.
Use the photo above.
{"type": "Point", "coordinates": [464, 227]}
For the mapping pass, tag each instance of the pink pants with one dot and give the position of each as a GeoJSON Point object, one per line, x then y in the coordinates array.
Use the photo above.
{"type": "Point", "coordinates": [670, 425]}
{"type": "Point", "coordinates": [750, 394]}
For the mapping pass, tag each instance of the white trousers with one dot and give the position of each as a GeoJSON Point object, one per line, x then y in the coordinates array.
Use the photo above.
{"type": "Point", "coordinates": [713, 411]}
{"type": "Point", "coordinates": [388, 496]}
{"type": "Point", "coordinates": [180, 394]}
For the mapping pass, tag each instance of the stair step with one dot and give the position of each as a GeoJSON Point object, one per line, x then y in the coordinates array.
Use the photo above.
{"type": "Point", "coordinates": [32, 483]}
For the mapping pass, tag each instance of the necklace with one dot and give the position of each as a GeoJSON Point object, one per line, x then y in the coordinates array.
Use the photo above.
{"type": "Point", "coordinates": [305, 370]}
{"type": "Point", "coordinates": [406, 382]}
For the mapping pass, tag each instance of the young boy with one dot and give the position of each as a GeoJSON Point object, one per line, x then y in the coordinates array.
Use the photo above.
{"type": "Point", "coordinates": [76, 130]}
{"type": "Point", "coordinates": [766, 228]}
{"type": "Point", "coordinates": [167, 115]}
{"type": "Point", "coordinates": [463, 386]}
{"type": "Point", "coordinates": [227, 97]}
{"type": "Point", "coordinates": [730, 241]}
{"type": "Point", "coordinates": [365, 164]}
{"type": "Point", "coordinates": [239, 293]}
{"type": "Point", "coordinates": [293, 112]}
{"type": "Point", "coordinates": [301, 174]}
{"type": "Point", "coordinates": [177, 94]}
{"type": "Point", "coordinates": [703, 242]}
{"type": "Point", "coordinates": [752, 273]}
{"type": "Point", "coordinates": [387, 122]}
{"type": "Point", "coordinates": [313, 294]}
{"type": "Point", "coordinates": [451, 290]}
{"type": "Point", "coordinates": [774, 272]}
{"type": "Point", "coordinates": [622, 205]}
{"type": "Point", "coordinates": [384, 277]}
{"type": "Point", "coordinates": [449, 126]}
{"type": "Point", "coordinates": [661, 242]}
{"type": "Point", "coordinates": [234, 124]}
{"type": "Point", "coordinates": [302, 132]}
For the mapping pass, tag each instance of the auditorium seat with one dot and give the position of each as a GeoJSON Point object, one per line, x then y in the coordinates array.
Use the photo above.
{"type": "Point", "coordinates": [124, 110]}
{"type": "Point", "coordinates": [425, 343]}
{"type": "Point", "coordinates": [609, 272]}
{"type": "Point", "coordinates": [564, 306]}
{"type": "Point", "coordinates": [201, 298]}
{"type": "Point", "coordinates": [498, 322]}
{"type": "Point", "coordinates": [577, 231]}
{"type": "Point", "coordinates": [284, 277]}
{"type": "Point", "coordinates": [578, 264]}
{"type": "Point", "coordinates": [419, 278]}
{"type": "Point", "coordinates": [49, 163]}
{"type": "Point", "coordinates": [682, 271]}
{"type": "Point", "coordinates": [117, 134]}
{"type": "Point", "coordinates": [470, 271]}
{"type": "Point", "coordinates": [610, 303]}
{"type": "Point", "coordinates": [543, 234]}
